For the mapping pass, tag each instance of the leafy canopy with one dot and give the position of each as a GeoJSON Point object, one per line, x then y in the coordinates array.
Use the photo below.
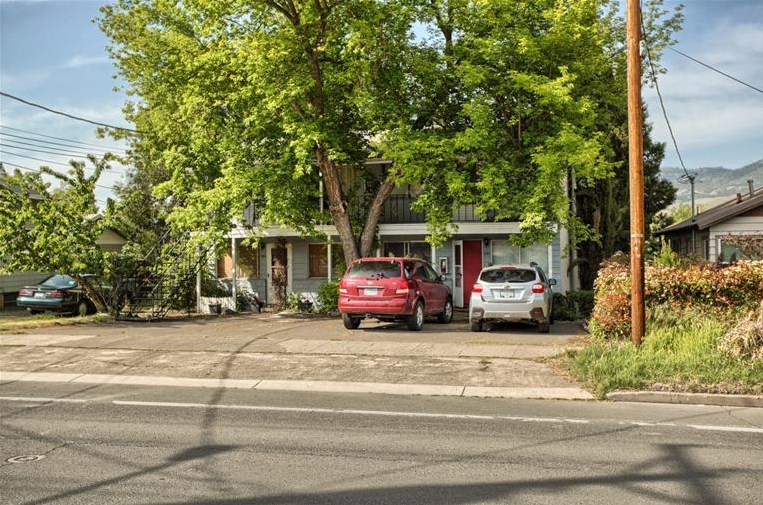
{"type": "Point", "coordinates": [260, 104]}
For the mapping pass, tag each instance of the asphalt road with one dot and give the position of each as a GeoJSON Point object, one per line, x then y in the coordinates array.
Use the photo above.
{"type": "Point", "coordinates": [108, 444]}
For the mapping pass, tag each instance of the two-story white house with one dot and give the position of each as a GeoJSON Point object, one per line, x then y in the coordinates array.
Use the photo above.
{"type": "Point", "coordinates": [308, 263]}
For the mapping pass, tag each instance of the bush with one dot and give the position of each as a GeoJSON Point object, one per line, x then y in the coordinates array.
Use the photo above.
{"type": "Point", "coordinates": [328, 297]}
{"type": "Point", "coordinates": [737, 287]}
{"type": "Point", "coordinates": [573, 305]}
{"type": "Point", "coordinates": [745, 340]}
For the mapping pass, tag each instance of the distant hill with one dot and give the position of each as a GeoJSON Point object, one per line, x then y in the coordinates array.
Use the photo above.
{"type": "Point", "coordinates": [714, 185]}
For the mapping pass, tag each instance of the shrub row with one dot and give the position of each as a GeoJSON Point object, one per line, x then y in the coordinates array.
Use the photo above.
{"type": "Point", "coordinates": [735, 287]}
{"type": "Point", "coordinates": [573, 305]}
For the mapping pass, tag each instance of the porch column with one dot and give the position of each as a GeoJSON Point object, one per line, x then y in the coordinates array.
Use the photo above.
{"type": "Point", "coordinates": [234, 258]}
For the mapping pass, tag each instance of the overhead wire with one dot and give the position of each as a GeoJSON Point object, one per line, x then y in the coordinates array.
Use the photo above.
{"type": "Point", "coordinates": [716, 70]}
{"type": "Point", "coordinates": [64, 141]}
{"type": "Point", "coordinates": [66, 114]}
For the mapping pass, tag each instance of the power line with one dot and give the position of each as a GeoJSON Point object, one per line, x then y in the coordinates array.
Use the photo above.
{"type": "Point", "coordinates": [66, 142]}
{"type": "Point", "coordinates": [70, 116]}
{"type": "Point", "coordinates": [45, 151]}
{"type": "Point", "coordinates": [716, 70]}
{"type": "Point", "coordinates": [653, 76]}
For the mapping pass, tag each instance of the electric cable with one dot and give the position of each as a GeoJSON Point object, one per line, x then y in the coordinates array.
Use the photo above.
{"type": "Point", "coordinates": [65, 114]}
{"type": "Point", "coordinates": [66, 142]}
{"type": "Point", "coordinates": [716, 70]}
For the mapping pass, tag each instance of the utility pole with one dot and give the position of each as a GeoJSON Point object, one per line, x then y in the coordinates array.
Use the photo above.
{"type": "Point", "coordinates": [636, 170]}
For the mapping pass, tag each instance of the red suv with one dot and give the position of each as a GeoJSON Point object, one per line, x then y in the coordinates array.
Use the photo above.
{"type": "Point", "coordinates": [393, 289]}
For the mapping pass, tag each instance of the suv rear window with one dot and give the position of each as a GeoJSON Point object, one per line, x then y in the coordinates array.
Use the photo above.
{"type": "Point", "coordinates": [508, 275]}
{"type": "Point", "coordinates": [373, 268]}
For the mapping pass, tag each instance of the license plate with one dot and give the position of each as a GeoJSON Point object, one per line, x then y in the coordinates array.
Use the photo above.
{"type": "Point", "coordinates": [371, 291]}
{"type": "Point", "coordinates": [508, 294]}
{"type": "Point", "coordinates": [39, 294]}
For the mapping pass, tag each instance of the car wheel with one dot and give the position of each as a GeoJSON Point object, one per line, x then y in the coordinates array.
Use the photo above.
{"type": "Point", "coordinates": [475, 325]}
{"type": "Point", "coordinates": [415, 321]}
{"type": "Point", "coordinates": [35, 312]}
{"type": "Point", "coordinates": [82, 309]}
{"type": "Point", "coordinates": [446, 315]}
{"type": "Point", "coordinates": [351, 323]}
{"type": "Point", "coordinates": [544, 327]}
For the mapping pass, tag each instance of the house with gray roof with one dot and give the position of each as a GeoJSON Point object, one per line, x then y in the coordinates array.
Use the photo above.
{"type": "Point", "coordinates": [704, 234]}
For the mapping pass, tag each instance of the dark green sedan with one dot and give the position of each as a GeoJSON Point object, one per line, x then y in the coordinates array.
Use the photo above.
{"type": "Point", "coordinates": [58, 293]}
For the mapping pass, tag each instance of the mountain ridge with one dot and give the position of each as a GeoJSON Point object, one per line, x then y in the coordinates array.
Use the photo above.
{"type": "Point", "coordinates": [713, 185]}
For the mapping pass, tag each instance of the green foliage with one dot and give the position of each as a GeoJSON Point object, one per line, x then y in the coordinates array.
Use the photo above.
{"type": "Point", "coordinates": [54, 230]}
{"type": "Point", "coordinates": [296, 302]}
{"type": "Point", "coordinates": [680, 352]}
{"type": "Point", "coordinates": [328, 297]}
{"type": "Point", "coordinates": [257, 103]}
{"type": "Point", "coordinates": [736, 287]}
{"type": "Point", "coordinates": [666, 257]}
{"type": "Point", "coordinates": [573, 305]}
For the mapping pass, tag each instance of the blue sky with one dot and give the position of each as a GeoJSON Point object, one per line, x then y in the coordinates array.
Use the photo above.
{"type": "Point", "coordinates": [51, 53]}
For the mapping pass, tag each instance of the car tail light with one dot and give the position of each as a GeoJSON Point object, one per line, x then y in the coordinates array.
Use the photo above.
{"type": "Point", "coordinates": [477, 288]}
{"type": "Point", "coordinates": [538, 288]}
{"type": "Point", "coordinates": [26, 292]}
{"type": "Point", "coordinates": [403, 288]}
{"type": "Point", "coordinates": [54, 294]}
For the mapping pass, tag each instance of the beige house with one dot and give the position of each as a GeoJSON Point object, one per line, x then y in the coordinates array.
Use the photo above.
{"type": "Point", "coordinates": [703, 235]}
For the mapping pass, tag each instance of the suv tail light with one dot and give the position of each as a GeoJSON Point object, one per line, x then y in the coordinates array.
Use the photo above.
{"type": "Point", "coordinates": [403, 288]}
{"type": "Point", "coordinates": [538, 288]}
{"type": "Point", "coordinates": [477, 288]}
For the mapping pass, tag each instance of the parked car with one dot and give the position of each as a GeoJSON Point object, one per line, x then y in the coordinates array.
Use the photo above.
{"type": "Point", "coordinates": [393, 289]}
{"type": "Point", "coordinates": [58, 293]}
{"type": "Point", "coordinates": [512, 293]}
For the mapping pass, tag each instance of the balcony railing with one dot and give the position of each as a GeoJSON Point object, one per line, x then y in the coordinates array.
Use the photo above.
{"type": "Point", "coordinates": [397, 209]}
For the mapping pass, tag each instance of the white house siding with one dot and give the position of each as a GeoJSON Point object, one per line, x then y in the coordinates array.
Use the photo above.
{"type": "Point", "coordinates": [743, 225]}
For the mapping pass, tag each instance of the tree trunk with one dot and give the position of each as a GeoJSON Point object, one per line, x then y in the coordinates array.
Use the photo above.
{"type": "Point", "coordinates": [337, 203]}
{"type": "Point", "coordinates": [374, 214]}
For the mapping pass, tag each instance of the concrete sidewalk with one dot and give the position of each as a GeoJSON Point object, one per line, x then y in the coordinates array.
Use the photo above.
{"type": "Point", "coordinates": [268, 351]}
{"type": "Point", "coordinates": [292, 353]}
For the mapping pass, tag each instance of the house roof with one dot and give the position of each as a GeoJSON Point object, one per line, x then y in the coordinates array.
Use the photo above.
{"type": "Point", "coordinates": [723, 212]}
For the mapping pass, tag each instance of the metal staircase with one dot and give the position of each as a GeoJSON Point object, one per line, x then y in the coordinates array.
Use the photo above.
{"type": "Point", "coordinates": [164, 280]}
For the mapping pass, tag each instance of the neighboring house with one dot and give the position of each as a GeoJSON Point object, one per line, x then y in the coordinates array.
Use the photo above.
{"type": "Point", "coordinates": [110, 240]}
{"type": "Point", "coordinates": [307, 264]}
{"type": "Point", "coordinates": [703, 235]}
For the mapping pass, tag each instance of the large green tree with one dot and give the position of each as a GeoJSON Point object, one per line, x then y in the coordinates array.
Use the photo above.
{"type": "Point", "coordinates": [261, 102]}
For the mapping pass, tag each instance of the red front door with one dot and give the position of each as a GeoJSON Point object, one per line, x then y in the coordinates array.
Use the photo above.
{"type": "Point", "coordinates": [472, 266]}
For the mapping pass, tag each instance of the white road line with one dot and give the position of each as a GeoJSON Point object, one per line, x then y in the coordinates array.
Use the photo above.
{"type": "Point", "coordinates": [310, 410]}
{"type": "Point", "coordinates": [40, 400]}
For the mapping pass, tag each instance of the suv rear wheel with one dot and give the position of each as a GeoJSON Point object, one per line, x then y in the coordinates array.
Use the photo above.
{"type": "Point", "coordinates": [351, 323]}
{"type": "Point", "coordinates": [415, 321]}
{"type": "Point", "coordinates": [475, 325]}
{"type": "Point", "coordinates": [544, 327]}
{"type": "Point", "coordinates": [446, 315]}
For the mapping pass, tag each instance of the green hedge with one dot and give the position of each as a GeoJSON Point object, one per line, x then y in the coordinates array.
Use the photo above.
{"type": "Point", "coordinates": [573, 305]}
{"type": "Point", "coordinates": [734, 287]}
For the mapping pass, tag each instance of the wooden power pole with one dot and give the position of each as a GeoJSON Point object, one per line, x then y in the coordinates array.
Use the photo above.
{"type": "Point", "coordinates": [636, 171]}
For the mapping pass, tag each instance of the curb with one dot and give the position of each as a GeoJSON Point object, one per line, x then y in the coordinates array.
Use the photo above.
{"type": "Point", "coordinates": [720, 400]}
{"type": "Point", "coordinates": [552, 393]}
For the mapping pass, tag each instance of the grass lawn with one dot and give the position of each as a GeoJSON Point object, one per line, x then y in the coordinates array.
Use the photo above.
{"type": "Point", "coordinates": [678, 353]}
